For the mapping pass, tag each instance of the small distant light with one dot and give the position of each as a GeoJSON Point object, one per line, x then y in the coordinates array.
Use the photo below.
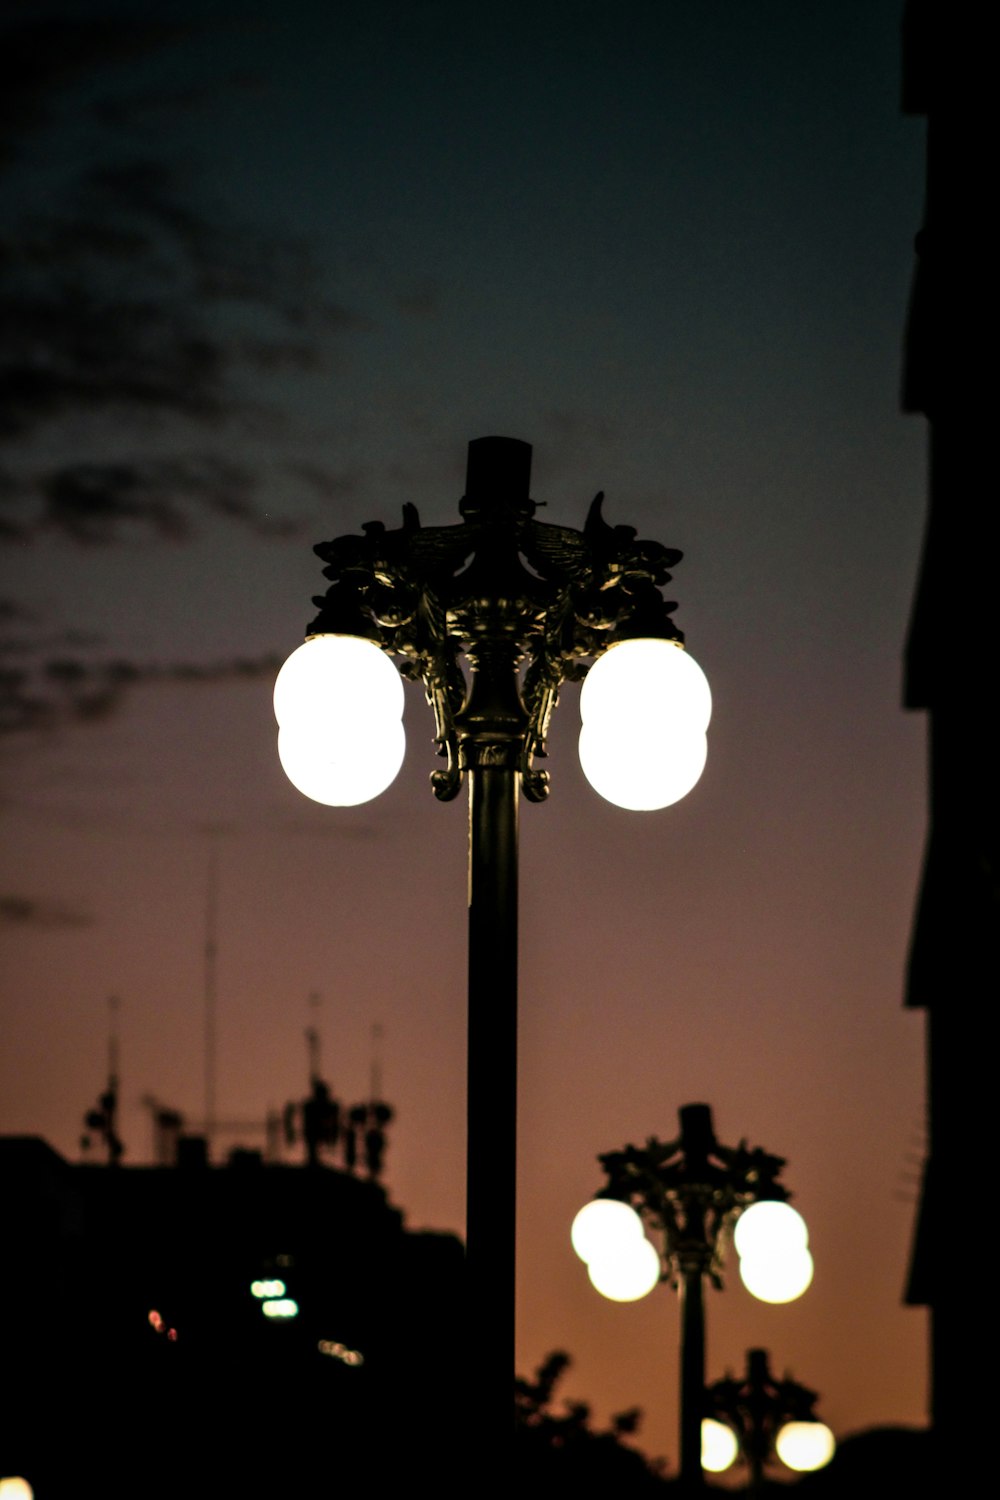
{"type": "Point", "coordinates": [280, 1308]}
{"type": "Point", "coordinates": [719, 1446]}
{"type": "Point", "coordinates": [352, 1357]}
{"type": "Point", "coordinates": [629, 1273]}
{"type": "Point", "coordinates": [264, 1289]}
{"type": "Point", "coordinates": [602, 1226]}
{"type": "Point", "coordinates": [777, 1278]}
{"type": "Point", "coordinates": [172, 1335]}
{"type": "Point", "coordinates": [155, 1321]}
{"type": "Point", "coordinates": [284, 1260]}
{"type": "Point", "coordinates": [769, 1228]}
{"type": "Point", "coordinates": [805, 1446]}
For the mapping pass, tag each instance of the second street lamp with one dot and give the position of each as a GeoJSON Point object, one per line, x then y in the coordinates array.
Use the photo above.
{"type": "Point", "coordinates": [768, 1418]}
{"type": "Point", "coordinates": [529, 605]}
{"type": "Point", "coordinates": [691, 1192]}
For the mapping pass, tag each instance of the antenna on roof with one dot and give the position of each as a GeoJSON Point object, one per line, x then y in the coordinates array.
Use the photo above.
{"type": "Point", "coordinates": [375, 1076]}
{"type": "Point", "coordinates": [313, 1038]}
{"type": "Point", "coordinates": [210, 976]}
{"type": "Point", "coordinates": [103, 1119]}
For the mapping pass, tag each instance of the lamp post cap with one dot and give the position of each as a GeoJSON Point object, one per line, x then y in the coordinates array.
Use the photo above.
{"type": "Point", "coordinates": [497, 478]}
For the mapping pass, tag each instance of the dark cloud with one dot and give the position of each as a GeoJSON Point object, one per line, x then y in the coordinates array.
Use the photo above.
{"type": "Point", "coordinates": [104, 504]}
{"type": "Point", "coordinates": [41, 57]}
{"type": "Point", "coordinates": [131, 300]}
{"type": "Point", "coordinates": [63, 691]}
{"type": "Point", "coordinates": [30, 911]}
{"type": "Point", "coordinates": [12, 612]}
{"type": "Point", "coordinates": [324, 483]}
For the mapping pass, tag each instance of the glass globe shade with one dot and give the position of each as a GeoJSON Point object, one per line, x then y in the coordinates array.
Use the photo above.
{"type": "Point", "coordinates": [777, 1278]}
{"type": "Point", "coordinates": [341, 769]}
{"type": "Point", "coordinates": [649, 683]}
{"type": "Point", "coordinates": [768, 1227]}
{"type": "Point", "coordinates": [804, 1446]}
{"type": "Point", "coordinates": [333, 678]}
{"type": "Point", "coordinates": [641, 772]}
{"type": "Point", "coordinates": [602, 1226]}
{"type": "Point", "coordinates": [719, 1446]}
{"type": "Point", "coordinates": [631, 1271]}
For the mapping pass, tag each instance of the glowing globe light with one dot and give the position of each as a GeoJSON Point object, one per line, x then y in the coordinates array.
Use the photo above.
{"type": "Point", "coordinates": [602, 1226]}
{"type": "Point", "coordinates": [642, 772]}
{"type": "Point", "coordinates": [804, 1446]}
{"type": "Point", "coordinates": [338, 701]}
{"type": "Point", "coordinates": [328, 671]}
{"type": "Point", "coordinates": [340, 767]}
{"type": "Point", "coordinates": [780, 1277]}
{"type": "Point", "coordinates": [645, 706]}
{"type": "Point", "coordinates": [627, 1274]}
{"type": "Point", "coordinates": [767, 1228]}
{"type": "Point", "coordinates": [15, 1488]}
{"type": "Point", "coordinates": [719, 1446]}
{"type": "Point", "coordinates": [653, 682]}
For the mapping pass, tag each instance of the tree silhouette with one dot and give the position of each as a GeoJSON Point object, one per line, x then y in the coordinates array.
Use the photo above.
{"type": "Point", "coordinates": [557, 1446]}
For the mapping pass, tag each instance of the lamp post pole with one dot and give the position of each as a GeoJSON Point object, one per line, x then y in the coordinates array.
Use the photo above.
{"type": "Point", "coordinates": [506, 591]}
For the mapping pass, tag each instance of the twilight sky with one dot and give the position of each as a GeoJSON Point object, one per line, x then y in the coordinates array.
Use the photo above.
{"type": "Point", "coordinates": [268, 268]}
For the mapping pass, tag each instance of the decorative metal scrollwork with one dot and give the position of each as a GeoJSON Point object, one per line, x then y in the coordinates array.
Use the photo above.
{"type": "Point", "coordinates": [503, 590]}
{"type": "Point", "coordinates": [691, 1189]}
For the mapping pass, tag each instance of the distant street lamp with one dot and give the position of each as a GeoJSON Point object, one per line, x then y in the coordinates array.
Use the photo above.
{"type": "Point", "coordinates": [690, 1192]}
{"type": "Point", "coordinates": [508, 592]}
{"type": "Point", "coordinates": [764, 1418]}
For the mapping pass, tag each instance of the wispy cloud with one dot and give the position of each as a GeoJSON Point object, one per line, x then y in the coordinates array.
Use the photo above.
{"type": "Point", "coordinates": [32, 911]}
{"type": "Point", "coordinates": [67, 690]}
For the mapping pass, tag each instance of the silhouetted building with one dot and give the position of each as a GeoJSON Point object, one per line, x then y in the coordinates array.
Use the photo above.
{"type": "Point", "coordinates": [949, 77]}
{"type": "Point", "coordinates": [242, 1330]}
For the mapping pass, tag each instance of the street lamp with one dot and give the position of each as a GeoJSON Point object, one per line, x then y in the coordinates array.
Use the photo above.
{"type": "Point", "coordinates": [768, 1417]}
{"type": "Point", "coordinates": [691, 1192]}
{"type": "Point", "coordinates": [507, 592]}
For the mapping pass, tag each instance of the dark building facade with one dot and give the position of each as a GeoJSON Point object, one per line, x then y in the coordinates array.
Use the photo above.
{"type": "Point", "coordinates": [144, 1363]}
{"type": "Point", "coordinates": [950, 675]}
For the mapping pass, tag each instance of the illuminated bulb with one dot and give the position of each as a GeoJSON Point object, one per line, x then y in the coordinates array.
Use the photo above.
{"type": "Point", "coordinates": [767, 1227]}
{"type": "Point", "coordinates": [15, 1488]}
{"type": "Point", "coordinates": [652, 682]}
{"type": "Point", "coordinates": [780, 1277]}
{"type": "Point", "coordinates": [631, 1271]}
{"type": "Point", "coordinates": [328, 672]}
{"type": "Point", "coordinates": [601, 1226]}
{"type": "Point", "coordinates": [804, 1446]}
{"type": "Point", "coordinates": [338, 701]}
{"type": "Point", "coordinates": [341, 767]}
{"type": "Point", "coordinates": [719, 1446]}
{"type": "Point", "coordinates": [645, 706]}
{"type": "Point", "coordinates": [641, 771]}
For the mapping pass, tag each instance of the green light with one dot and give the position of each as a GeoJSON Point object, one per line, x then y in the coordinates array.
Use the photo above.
{"type": "Point", "coordinates": [264, 1289]}
{"type": "Point", "coordinates": [280, 1308]}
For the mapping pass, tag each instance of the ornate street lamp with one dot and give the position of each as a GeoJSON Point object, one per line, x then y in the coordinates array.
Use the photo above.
{"type": "Point", "coordinates": [528, 605]}
{"type": "Point", "coordinates": [690, 1193]}
{"type": "Point", "coordinates": [768, 1418]}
